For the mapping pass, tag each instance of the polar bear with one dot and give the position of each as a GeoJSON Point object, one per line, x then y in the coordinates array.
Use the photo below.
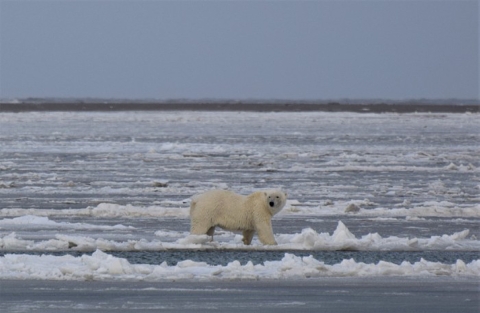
{"type": "Point", "coordinates": [234, 212]}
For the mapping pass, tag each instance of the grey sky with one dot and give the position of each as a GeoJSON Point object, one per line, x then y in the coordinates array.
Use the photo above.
{"type": "Point", "coordinates": [239, 49]}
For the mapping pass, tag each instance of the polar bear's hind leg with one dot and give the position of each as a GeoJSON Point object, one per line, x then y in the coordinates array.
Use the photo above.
{"type": "Point", "coordinates": [247, 236]}
{"type": "Point", "coordinates": [195, 230]}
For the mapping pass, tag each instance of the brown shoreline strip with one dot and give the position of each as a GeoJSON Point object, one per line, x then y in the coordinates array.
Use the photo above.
{"type": "Point", "coordinates": [399, 107]}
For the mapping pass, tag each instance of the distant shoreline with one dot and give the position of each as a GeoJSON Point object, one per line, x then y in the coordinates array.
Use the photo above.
{"type": "Point", "coordinates": [246, 106]}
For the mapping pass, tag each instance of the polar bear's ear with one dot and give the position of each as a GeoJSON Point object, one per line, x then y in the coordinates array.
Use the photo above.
{"type": "Point", "coordinates": [285, 194]}
{"type": "Point", "coordinates": [265, 194]}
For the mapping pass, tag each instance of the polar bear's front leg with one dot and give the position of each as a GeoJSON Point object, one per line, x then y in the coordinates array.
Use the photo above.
{"type": "Point", "coordinates": [265, 233]}
{"type": "Point", "coordinates": [247, 236]}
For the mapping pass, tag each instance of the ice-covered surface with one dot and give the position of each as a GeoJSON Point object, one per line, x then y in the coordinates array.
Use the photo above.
{"type": "Point", "coordinates": [102, 266]}
{"type": "Point", "coordinates": [30, 221]}
{"type": "Point", "coordinates": [293, 207]}
{"type": "Point", "coordinates": [123, 181]}
{"type": "Point", "coordinates": [78, 160]}
{"type": "Point", "coordinates": [307, 239]}
{"type": "Point", "coordinates": [105, 210]}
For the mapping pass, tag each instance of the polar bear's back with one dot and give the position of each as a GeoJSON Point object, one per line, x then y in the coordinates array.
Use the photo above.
{"type": "Point", "coordinates": [222, 208]}
{"type": "Point", "coordinates": [217, 201]}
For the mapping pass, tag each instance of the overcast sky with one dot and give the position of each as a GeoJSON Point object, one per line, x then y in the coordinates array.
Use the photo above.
{"type": "Point", "coordinates": [239, 49]}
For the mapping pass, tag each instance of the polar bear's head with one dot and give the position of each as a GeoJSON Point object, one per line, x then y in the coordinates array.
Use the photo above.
{"type": "Point", "coordinates": [276, 200]}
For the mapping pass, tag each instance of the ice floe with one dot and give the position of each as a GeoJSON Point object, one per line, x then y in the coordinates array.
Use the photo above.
{"type": "Point", "coordinates": [368, 208]}
{"type": "Point", "coordinates": [294, 207]}
{"type": "Point", "coordinates": [32, 221]}
{"type": "Point", "coordinates": [107, 210]}
{"type": "Point", "coordinates": [102, 266]}
{"type": "Point", "coordinates": [308, 239]}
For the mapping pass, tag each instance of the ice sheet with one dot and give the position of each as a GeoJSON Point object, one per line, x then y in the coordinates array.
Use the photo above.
{"type": "Point", "coordinates": [60, 160]}
{"type": "Point", "coordinates": [72, 181]}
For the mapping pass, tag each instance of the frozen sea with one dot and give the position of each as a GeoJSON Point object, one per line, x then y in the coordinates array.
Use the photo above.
{"type": "Point", "coordinates": [100, 200]}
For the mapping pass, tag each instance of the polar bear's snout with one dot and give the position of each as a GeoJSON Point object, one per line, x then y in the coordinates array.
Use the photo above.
{"type": "Point", "coordinates": [276, 200]}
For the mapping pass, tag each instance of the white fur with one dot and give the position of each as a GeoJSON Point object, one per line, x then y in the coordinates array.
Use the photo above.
{"type": "Point", "coordinates": [231, 211]}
